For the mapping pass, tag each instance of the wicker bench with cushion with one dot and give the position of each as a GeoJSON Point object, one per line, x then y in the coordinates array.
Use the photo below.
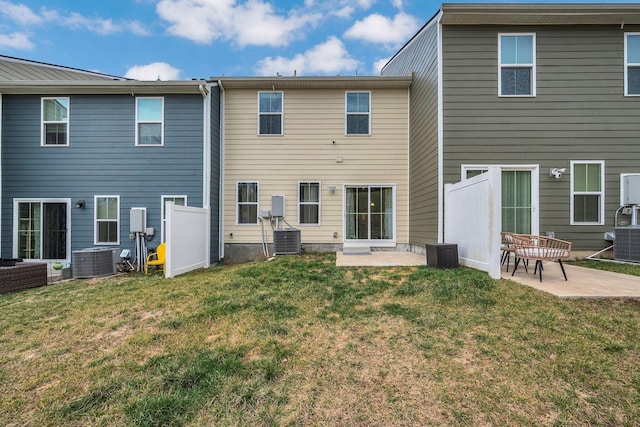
{"type": "Point", "coordinates": [540, 248]}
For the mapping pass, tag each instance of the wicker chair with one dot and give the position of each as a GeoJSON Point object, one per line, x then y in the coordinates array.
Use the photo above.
{"type": "Point", "coordinates": [507, 247]}
{"type": "Point", "coordinates": [540, 248]}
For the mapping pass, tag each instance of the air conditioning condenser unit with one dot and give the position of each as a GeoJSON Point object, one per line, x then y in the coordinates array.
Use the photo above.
{"type": "Point", "coordinates": [286, 241]}
{"type": "Point", "coordinates": [94, 262]}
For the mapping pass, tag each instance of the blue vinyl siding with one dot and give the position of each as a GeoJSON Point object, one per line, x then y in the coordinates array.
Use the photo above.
{"type": "Point", "coordinates": [101, 159]}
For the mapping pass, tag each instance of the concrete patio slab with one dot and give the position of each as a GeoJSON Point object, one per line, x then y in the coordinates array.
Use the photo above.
{"type": "Point", "coordinates": [582, 282]}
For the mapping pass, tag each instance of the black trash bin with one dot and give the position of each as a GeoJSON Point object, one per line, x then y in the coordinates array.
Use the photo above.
{"type": "Point", "coordinates": [442, 255]}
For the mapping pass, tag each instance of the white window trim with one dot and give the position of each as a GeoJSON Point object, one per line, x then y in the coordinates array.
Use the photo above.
{"type": "Point", "coordinates": [347, 113]}
{"type": "Point", "coordinates": [627, 65]}
{"type": "Point", "coordinates": [601, 192]}
{"type": "Point", "coordinates": [532, 66]}
{"type": "Point", "coordinates": [257, 203]}
{"type": "Point", "coordinates": [382, 243]}
{"type": "Point", "coordinates": [16, 223]}
{"type": "Point", "coordinates": [260, 113]}
{"type": "Point", "coordinates": [319, 203]}
{"type": "Point", "coordinates": [95, 219]}
{"type": "Point", "coordinates": [163, 214]}
{"type": "Point", "coordinates": [42, 121]}
{"type": "Point", "coordinates": [161, 122]}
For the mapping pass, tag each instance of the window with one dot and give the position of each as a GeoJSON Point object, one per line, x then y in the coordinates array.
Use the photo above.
{"type": "Point", "coordinates": [178, 201]}
{"type": "Point", "coordinates": [247, 203]}
{"type": "Point", "coordinates": [55, 121]}
{"type": "Point", "coordinates": [107, 216]}
{"type": "Point", "coordinates": [632, 64]}
{"type": "Point", "coordinates": [309, 203]}
{"type": "Point", "coordinates": [587, 188]}
{"type": "Point", "coordinates": [149, 121]}
{"type": "Point", "coordinates": [358, 113]}
{"type": "Point", "coordinates": [517, 74]}
{"type": "Point", "coordinates": [270, 113]}
{"type": "Point", "coordinates": [41, 229]}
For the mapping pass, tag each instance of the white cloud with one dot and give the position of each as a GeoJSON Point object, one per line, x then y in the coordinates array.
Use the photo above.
{"type": "Point", "coordinates": [376, 28]}
{"type": "Point", "coordinates": [343, 12]}
{"type": "Point", "coordinates": [377, 65]}
{"type": "Point", "coordinates": [154, 71]}
{"type": "Point", "coordinates": [365, 4]}
{"type": "Point", "coordinates": [24, 16]}
{"type": "Point", "coordinates": [328, 58]}
{"type": "Point", "coordinates": [253, 22]}
{"type": "Point", "coordinates": [16, 41]}
{"type": "Point", "coordinates": [19, 13]}
{"type": "Point", "coordinates": [100, 26]}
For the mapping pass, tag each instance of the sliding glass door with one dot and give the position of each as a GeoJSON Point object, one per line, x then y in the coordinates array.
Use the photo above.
{"type": "Point", "coordinates": [369, 213]}
{"type": "Point", "coordinates": [516, 201]}
{"type": "Point", "coordinates": [42, 230]}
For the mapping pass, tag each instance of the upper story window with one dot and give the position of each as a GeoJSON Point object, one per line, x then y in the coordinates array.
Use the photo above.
{"type": "Point", "coordinates": [247, 212]}
{"type": "Point", "coordinates": [587, 192]}
{"type": "Point", "coordinates": [358, 113]}
{"type": "Point", "coordinates": [149, 121]}
{"type": "Point", "coordinates": [309, 203]}
{"type": "Point", "coordinates": [55, 121]}
{"type": "Point", "coordinates": [270, 115]}
{"type": "Point", "coordinates": [632, 64]}
{"type": "Point", "coordinates": [517, 59]}
{"type": "Point", "coordinates": [107, 220]}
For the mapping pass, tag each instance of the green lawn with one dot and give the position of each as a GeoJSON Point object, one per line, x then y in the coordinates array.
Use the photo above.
{"type": "Point", "coordinates": [299, 341]}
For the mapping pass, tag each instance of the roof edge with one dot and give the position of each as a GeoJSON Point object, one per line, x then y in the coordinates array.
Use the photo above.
{"type": "Point", "coordinates": [133, 87]}
{"type": "Point", "coordinates": [326, 82]}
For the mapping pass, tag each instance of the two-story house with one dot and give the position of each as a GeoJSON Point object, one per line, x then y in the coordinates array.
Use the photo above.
{"type": "Point", "coordinates": [547, 92]}
{"type": "Point", "coordinates": [81, 149]}
{"type": "Point", "coordinates": [334, 152]}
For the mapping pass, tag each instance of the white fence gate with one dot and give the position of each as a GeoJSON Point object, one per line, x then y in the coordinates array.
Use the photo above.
{"type": "Point", "coordinates": [188, 236]}
{"type": "Point", "coordinates": [473, 220]}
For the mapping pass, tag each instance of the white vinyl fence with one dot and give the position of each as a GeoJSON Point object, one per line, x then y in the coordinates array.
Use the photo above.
{"type": "Point", "coordinates": [473, 217]}
{"type": "Point", "coordinates": [187, 238]}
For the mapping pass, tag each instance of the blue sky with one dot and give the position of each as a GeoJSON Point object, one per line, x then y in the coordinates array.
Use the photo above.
{"type": "Point", "coordinates": [184, 39]}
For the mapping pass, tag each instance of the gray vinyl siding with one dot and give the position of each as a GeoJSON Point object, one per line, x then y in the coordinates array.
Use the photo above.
{"type": "Point", "coordinates": [215, 173]}
{"type": "Point", "coordinates": [101, 159]}
{"type": "Point", "coordinates": [579, 113]}
{"type": "Point", "coordinates": [420, 56]}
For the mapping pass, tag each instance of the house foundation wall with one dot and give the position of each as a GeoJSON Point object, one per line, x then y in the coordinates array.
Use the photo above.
{"type": "Point", "coordinates": [243, 252]}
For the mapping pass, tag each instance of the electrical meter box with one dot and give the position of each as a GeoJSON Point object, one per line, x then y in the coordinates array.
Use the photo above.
{"type": "Point", "coordinates": [277, 205]}
{"type": "Point", "coordinates": [630, 191]}
{"type": "Point", "coordinates": [138, 220]}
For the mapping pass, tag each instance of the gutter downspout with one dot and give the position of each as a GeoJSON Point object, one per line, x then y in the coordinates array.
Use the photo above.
{"type": "Point", "coordinates": [221, 192]}
{"type": "Point", "coordinates": [441, 236]}
{"type": "Point", "coordinates": [205, 90]}
{"type": "Point", "coordinates": [1, 102]}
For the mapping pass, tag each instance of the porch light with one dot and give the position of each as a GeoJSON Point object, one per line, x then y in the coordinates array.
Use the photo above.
{"type": "Point", "coordinates": [80, 204]}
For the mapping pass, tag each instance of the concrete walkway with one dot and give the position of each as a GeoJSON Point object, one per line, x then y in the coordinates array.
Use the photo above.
{"type": "Point", "coordinates": [582, 283]}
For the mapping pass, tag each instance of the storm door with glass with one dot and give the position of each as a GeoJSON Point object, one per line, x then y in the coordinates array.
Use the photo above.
{"type": "Point", "coordinates": [42, 230]}
{"type": "Point", "coordinates": [369, 214]}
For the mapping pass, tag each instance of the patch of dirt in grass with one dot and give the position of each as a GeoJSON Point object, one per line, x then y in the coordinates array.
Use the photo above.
{"type": "Point", "coordinates": [362, 375]}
